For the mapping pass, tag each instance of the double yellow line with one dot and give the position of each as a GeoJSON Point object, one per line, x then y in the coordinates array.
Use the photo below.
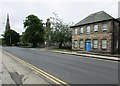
{"type": "Point", "coordinates": [39, 71]}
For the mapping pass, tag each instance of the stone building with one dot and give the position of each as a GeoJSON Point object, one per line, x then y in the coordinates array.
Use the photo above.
{"type": "Point", "coordinates": [99, 32]}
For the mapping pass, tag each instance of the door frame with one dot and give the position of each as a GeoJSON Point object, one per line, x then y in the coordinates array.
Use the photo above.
{"type": "Point", "coordinates": [87, 41]}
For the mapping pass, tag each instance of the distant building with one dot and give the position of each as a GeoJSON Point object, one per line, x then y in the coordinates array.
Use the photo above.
{"type": "Point", "coordinates": [119, 9]}
{"type": "Point", "coordinates": [99, 32]}
{"type": "Point", "coordinates": [7, 27]}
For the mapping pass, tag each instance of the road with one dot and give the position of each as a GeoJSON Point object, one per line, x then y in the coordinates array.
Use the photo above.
{"type": "Point", "coordinates": [69, 68]}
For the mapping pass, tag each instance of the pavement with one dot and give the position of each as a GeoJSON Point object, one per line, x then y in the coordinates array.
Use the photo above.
{"type": "Point", "coordinates": [13, 72]}
{"type": "Point", "coordinates": [90, 55]}
{"type": "Point", "coordinates": [98, 56]}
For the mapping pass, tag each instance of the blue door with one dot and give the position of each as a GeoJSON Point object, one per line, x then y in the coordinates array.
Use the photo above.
{"type": "Point", "coordinates": [88, 46]}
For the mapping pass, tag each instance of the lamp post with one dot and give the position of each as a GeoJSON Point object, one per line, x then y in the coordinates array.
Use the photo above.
{"type": "Point", "coordinates": [2, 32]}
{"type": "Point", "coordinates": [10, 39]}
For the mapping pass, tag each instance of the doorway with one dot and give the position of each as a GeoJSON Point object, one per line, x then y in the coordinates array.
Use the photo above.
{"type": "Point", "coordinates": [87, 45]}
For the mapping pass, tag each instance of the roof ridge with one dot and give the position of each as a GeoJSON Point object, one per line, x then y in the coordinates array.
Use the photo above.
{"type": "Point", "coordinates": [95, 17]}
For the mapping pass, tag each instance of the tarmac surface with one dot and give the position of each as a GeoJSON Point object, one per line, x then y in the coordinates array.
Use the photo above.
{"type": "Point", "coordinates": [72, 69]}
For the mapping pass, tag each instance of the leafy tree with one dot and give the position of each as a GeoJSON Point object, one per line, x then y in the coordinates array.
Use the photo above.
{"type": "Point", "coordinates": [61, 32]}
{"type": "Point", "coordinates": [11, 37]}
{"type": "Point", "coordinates": [34, 33]}
{"type": "Point", "coordinates": [0, 41]}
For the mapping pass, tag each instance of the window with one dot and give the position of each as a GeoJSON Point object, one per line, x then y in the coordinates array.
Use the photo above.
{"type": "Point", "coordinates": [104, 27]}
{"type": "Point", "coordinates": [104, 44]}
{"type": "Point", "coordinates": [88, 30]}
{"type": "Point", "coordinates": [117, 44]}
{"type": "Point", "coordinates": [96, 28]}
{"type": "Point", "coordinates": [81, 43]}
{"type": "Point", "coordinates": [75, 30]}
{"type": "Point", "coordinates": [95, 43]}
{"type": "Point", "coordinates": [75, 43]}
{"type": "Point", "coordinates": [81, 30]}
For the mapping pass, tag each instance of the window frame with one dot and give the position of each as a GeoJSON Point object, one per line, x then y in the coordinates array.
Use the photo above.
{"type": "Point", "coordinates": [104, 46]}
{"type": "Point", "coordinates": [76, 31]}
{"type": "Point", "coordinates": [80, 44]}
{"type": "Point", "coordinates": [81, 30]}
{"type": "Point", "coordinates": [95, 28]}
{"type": "Point", "coordinates": [88, 29]}
{"type": "Point", "coordinates": [117, 44]}
{"type": "Point", "coordinates": [95, 44]}
{"type": "Point", "coordinates": [104, 27]}
{"type": "Point", "coordinates": [75, 43]}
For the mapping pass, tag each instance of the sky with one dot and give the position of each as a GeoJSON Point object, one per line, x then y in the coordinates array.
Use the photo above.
{"type": "Point", "coordinates": [68, 10]}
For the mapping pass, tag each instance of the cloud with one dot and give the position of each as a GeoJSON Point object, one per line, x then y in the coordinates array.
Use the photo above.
{"type": "Point", "coordinates": [68, 10]}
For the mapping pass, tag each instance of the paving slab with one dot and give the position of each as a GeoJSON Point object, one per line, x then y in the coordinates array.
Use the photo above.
{"type": "Point", "coordinates": [15, 73]}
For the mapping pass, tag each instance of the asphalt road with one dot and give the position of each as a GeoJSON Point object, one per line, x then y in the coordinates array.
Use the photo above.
{"type": "Point", "coordinates": [71, 69]}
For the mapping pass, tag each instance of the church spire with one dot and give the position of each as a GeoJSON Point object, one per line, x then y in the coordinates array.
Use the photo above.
{"type": "Point", "coordinates": [7, 23]}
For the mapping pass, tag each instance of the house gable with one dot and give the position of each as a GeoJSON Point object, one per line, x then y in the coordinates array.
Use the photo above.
{"type": "Point", "coordinates": [95, 17]}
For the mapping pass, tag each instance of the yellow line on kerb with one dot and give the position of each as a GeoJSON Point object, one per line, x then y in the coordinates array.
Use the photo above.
{"type": "Point", "coordinates": [39, 71]}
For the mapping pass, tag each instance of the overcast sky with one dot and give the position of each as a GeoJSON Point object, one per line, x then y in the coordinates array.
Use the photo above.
{"type": "Point", "coordinates": [68, 10]}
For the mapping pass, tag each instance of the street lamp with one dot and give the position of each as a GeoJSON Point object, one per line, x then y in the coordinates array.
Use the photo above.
{"type": "Point", "coordinates": [1, 31]}
{"type": "Point", "coordinates": [10, 39]}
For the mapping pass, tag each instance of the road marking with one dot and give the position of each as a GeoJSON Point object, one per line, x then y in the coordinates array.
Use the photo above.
{"type": "Point", "coordinates": [39, 71]}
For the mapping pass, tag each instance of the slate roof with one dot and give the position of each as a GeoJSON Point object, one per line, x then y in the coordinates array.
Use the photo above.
{"type": "Point", "coordinates": [118, 19]}
{"type": "Point", "coordinates": [95, 17]}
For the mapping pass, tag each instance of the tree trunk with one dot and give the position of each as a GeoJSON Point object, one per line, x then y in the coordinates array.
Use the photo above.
{"type": "Point", "coordinates": [60, 45]}
{"type": "Point", "coordinates": [34, 45]}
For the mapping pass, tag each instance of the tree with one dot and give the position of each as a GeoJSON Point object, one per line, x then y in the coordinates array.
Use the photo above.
{"type": "Point", "coordinates": [11, 37]}
{"type": "Point", "coordinates": [0, 41]}
{"type": "Point", "coordinates": [61, 32]}
{"type": "Point", "coordinates": [34, 33]}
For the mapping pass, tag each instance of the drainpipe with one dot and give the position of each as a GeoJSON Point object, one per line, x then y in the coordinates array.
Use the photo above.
{"type": "Point", "coordinates": [112, 44]}
{"type": "Point", "coordinates": [119, 40]}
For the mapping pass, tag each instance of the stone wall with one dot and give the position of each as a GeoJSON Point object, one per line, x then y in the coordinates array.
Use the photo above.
{"type": "Point", "coordinates": [116, 37]}
{"type": "Point", "coordinates": [99, 36]}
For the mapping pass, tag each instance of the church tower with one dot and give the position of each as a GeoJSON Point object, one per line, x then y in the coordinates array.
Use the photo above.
{"type": "Point", "coordinates": [7, 27]}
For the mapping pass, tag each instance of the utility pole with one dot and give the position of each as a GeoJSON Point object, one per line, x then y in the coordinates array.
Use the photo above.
{"type": "Point", "coordinates": [10, 39]}
{"type": "Point", "coordinates": [118, 9]}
